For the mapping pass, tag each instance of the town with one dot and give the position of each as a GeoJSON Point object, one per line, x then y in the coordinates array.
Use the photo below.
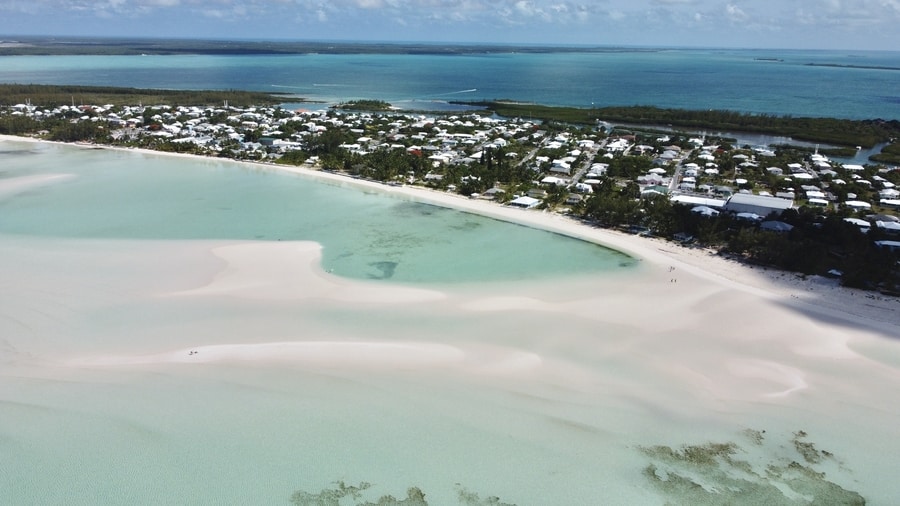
{"type": "Point", "coordinates": [788, 207]}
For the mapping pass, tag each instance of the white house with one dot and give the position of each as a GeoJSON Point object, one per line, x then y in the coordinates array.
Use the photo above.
{"type": "Point", "coordinates": [525, 202]}
{"type": "Point", "coordinates": [759, 204]}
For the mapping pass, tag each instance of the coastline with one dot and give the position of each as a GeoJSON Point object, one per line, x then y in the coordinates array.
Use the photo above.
{"type": "Point", "coordinates": [813, 294]}
{"type": "Point", "coordinates": [286, 376]}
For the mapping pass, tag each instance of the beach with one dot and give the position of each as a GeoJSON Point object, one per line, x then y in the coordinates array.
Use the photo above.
{"type": "Point", "coordinates": [147, 371]}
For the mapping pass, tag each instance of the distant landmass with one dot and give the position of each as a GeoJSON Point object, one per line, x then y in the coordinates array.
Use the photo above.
{"type": "Point", "coordinates": [141, 46]}
{"type": "Point", "coordinates": [841, 66]}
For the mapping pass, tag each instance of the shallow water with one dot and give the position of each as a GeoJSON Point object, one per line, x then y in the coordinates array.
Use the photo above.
{"type": "Point", "coordinates": [558, 389]}
{"type": "Point", "coordinates": [366, 235]}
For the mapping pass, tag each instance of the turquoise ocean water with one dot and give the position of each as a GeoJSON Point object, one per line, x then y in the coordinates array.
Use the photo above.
{"type": "Point", "coordinates": [843, 84]}
{"type": "Point", "coordinates": [79, 282]}
{"type": "Point", "coordinates": [366, 235]}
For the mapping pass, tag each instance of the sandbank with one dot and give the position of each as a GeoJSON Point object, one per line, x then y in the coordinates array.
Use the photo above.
{"type": "Point", "coordinates": [812, 294]}
{"type": "Point", "coordinates": [532, 391]}
{"type": "Point", "coordinates": [13, 186]}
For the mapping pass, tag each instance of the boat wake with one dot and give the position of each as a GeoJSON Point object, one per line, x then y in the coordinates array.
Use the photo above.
{"type": "Point", "coordinates": [457, 92]}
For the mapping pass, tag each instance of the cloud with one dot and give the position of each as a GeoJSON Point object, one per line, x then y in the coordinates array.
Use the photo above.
{"type": "Point", "coordinates": [735, 13]}
{"type": "Point", "coordinates": [668, 22]}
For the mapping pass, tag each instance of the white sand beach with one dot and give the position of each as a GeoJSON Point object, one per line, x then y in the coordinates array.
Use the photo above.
{"type": "Point", "coordinates": [245, 367]}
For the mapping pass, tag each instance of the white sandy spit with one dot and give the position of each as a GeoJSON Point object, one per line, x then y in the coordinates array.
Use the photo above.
{"type": "Point", "coordinates": [15, 185]}
{"type": "Point", "coordinates": [248, 365]}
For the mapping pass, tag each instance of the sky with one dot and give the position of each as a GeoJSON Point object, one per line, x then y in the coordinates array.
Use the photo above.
{"type": "Point", "coordinates": [790, 24]}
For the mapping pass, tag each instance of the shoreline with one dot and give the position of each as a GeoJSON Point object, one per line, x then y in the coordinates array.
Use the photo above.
{"type": "Point", "coordinates": [812, 294]}
{"type": "Point", "coordinates": [568, 377]}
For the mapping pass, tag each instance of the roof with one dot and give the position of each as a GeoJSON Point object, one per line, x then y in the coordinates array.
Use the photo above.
{"type": "Point", "coordinates": [777, 226]}
{"type": "Point", "coordinates": [891, 226]}
{"type": "Point", "coordinates": [525, 202]}
{"type": "Point", "coordinates": [759, 200]}
{"type": "Point", "coordinates": [697, 201]}
{"type": "Point", "coordinates": [891, 245]}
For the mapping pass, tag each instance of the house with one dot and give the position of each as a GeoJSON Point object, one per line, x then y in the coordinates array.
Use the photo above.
{"type": "Point", "coordinates": [776, 226]}
{"type": "Point", "coordinates": [574, 198]}
{"type": "Point", "coordinates": [554, 181]}
{"type": "Point", "coordinates": [691, 200]}
{"type": "Point", "coordinates": [584, 188]}
{"type": "Point", "coordinates": [525, 202]}
{"type": "Point", "coordinates": [759, 204]}
{"type": "Point", "coordinates": [890, 227]}
{"type": "Point", "coordinates": [493, 193]}
{"type": "Point", "coordinates": [858, 205]}
{"type": "Point", "coordinates": [889, 245]}
{"type": "Point", "coordinates": [561, 167]}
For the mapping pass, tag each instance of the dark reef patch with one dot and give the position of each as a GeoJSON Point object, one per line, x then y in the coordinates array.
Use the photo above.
{"type": "Point", "coordinates": [342, 494]}
{"type": "Point", "coordinates": [726, 473]}
{"type": "Point", "coordinates": [385, 270]}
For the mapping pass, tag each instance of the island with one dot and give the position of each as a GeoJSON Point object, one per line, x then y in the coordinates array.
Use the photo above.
{"type": "Point", "coordinates": [788, 207]}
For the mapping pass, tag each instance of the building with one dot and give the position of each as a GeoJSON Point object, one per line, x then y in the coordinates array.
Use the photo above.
{"type": "Point", "coordinates": [758, 204]}
{"type": "Point", "coordinates": [525, 202]}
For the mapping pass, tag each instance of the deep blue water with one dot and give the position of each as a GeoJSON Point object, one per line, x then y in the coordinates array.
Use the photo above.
{"type": "Point", "coordinates": [857, 85]}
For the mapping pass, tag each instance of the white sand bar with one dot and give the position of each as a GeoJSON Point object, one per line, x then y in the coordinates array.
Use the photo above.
{"type": "Point", "coordinates": [13, 186]}
{"type": "Point", "coordinates": [228, 372]}
{"type": "Point", "coordinates": [290, 270]}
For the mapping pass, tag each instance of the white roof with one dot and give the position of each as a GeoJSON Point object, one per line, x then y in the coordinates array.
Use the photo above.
{"type": "Point", "coordinates": [553, 180]}
{"type": "Point", "coordinates": [858, 222]}
{"type": "Point", "coordinates": [760, 200]}
{"type": "Point", "coordinates": [698, 201]}
{"type": "Point", "coordinates": [525, 201]}
{"type": "Point", "coordinates": [888, 225]}
{"type": "Point", "coordinates": [704, 210]}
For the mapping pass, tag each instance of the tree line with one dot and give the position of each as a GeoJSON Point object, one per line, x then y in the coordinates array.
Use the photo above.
{"type": "Point", "coordinates": [59, 95]}
{"type": "Point", "coordinates": [842, 132]}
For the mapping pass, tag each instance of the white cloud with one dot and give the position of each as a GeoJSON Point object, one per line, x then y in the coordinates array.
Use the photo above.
{"type": "Point", "coordinates": [735, 13]}
{"type": "Point", "coordinates": [821, 22]}
{"type": "Point", "coordinates": [525, 8]}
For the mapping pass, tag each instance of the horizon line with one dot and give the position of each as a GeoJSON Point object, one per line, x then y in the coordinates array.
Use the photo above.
{"type": "Point", "coordinates": [5, 38]}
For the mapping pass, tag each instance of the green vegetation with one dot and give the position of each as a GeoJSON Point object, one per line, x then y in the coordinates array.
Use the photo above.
{"type": "Point", "coordinates": [845, 152]}
{"type": "Point", "coordinates": [53, 96]}
{"type": "Point", "coordinates": [818, 243]}
{"type": "Point", "coordinates": [841, 132]}
{"type": "Point", "coordinates": [469, 156]}
{"type": "Point", "coordinates": [889, 154]}
{"type": "Point", "coordinates": [712, 473]}
{"type": "Point", "coordinates": [364, 105]}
